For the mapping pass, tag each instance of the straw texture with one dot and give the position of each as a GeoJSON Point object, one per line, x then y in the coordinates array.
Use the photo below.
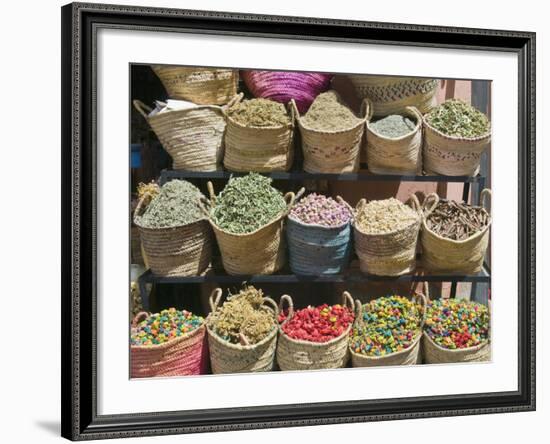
{"type": "Point", "coordinates": [391, 95]}
{"type": "Point", "coordinates": [434, 354]}
{"type": "Point", "coordinates": [259, 252]}
{"type": "Point", "coordinates": [193, 137]}
{"type": "Point", "coordinates": [282, 86]}
{"type": "Point", "coordinates": [388, 254]}
{"type": "Point", "coordinates": [396, 155]}
{"type": "Point", "coordinates": [185, 355]}
{"type": "Point", "coordinates": [203, 86]}
{"type": "Point", "coordinates": [294, 354]}
{"type": "Point", "coordinates": [331, 151]}
{"type": "Point", "coordinates": [409, 356]}
{"type": "Point", "coordinates": [260, 149]}
{"type": "Point", "coordinates": [179, 251]}
{"type": "Point", "coordinates": [447, 256]}
{"type": "Point", "coordinates": [450, 155]}
{"type": "Point", "coordinates": [315, 249]}
{"type": "Point", "coordinates": [226, 357]}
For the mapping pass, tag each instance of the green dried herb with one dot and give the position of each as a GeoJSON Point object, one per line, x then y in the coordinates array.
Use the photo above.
{"type": "Point", "coordinates": [177, 204]}
{"type": "Point", "coordinates": [329, 113]}
{"type": "Point", "coordinates": [456, 118]}
{"type": "Point", "coordinates": [259, 113]}
{"type": "Point", "coordinates": [242, 319]}
{"type": "Point", "coordinates": [393, 126]}
{"type": "Point", "coordinates": [246, 204]}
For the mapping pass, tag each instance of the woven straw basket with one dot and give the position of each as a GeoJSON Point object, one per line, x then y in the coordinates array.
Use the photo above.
{"type": "Point", "coordinates": [448, 256]}
{"type": "Point", "coordinates": [294, 354]}
{"type": "Point", "coordinates": [185, 355]}
{"type": "Point", "coordinates": [331, 151]}
{"type": "Point", "coordinates": [316, 249]}
{"type": "Point", "coordinates": [409, 356]}
{"type": "Point", "coordinates": [391, 95]}
{"type": "Point", "coordinates": [259, 252]}
{"type": "Point", "coordinates": [435, 354]}
{"type": "Point", "coordinates": [203, 86]}
{"type": "Point", "coordinates": [396, 155]}
{"type": "Point", "coordinates": [282, 86]}
{"type": "Point", "coordinates": [450, 155]}
{"type": "Point", "coordinates": [176, 251]}
{"type": "Point", "coordinates": [193, 137]}
{"type": "Point", "coordinates": [226, 357]}
{"type": "Point", "coordinates": [388, 254]}
{"type": "Point", "coordinates": [260, 149]}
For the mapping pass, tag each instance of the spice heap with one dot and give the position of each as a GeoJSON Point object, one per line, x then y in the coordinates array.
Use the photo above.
{"type": "Point", "coordinates": [389, 324]}
{"type": "Point", "coordinates": [177, 204]}
{"type": "Point", "coordinates": [242, 319]}
{"type": "Point", "coordinates": [317, 324]}
{"type": "Point", "coordinates": [384, 216]}
{"type": "Point", "coordinates": [259, 113]}
{"type": "Point", "coordinates": [457, 221]}
{"type": "Point", "coordinates": [393, 126]}
{"type": "Point", "coordinates": [329, 113]}
{"type": "Point", "coordinates": [455, 323]}
{"type": "Point", "coordinates": [246, 204]}
{"type": "Point", "coordinates": [162, 327]}
{"type": "Point", "coordinates": [320, 210]}
{"type": "Point", "coordinates": [456, 118]}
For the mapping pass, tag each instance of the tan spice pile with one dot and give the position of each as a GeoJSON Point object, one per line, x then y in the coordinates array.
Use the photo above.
{"type": "Point", "coordinates": [259, 113]}
{"type": "Point", "coordinates": [329, 113]}
{"type": "Point", "coordinates": [384, 216]}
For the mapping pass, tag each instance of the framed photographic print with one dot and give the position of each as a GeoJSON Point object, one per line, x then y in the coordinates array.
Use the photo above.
{"type": "Point", "coordinates": [283, 221]}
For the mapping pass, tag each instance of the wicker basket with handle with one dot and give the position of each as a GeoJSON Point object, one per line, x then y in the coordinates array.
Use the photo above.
{"type": "Point", "coordinates": [409, 356]}
{"type": "Point", "coordinates": [295, 354]}
{"type": "Point", "coordinates": [226, 357]}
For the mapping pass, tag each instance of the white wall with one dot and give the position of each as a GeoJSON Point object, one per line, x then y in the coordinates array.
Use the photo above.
{"type": "Point", "coordinates": [30, 217]}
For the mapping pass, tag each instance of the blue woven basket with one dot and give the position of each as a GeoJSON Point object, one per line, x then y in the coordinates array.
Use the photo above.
{"type": "Point", "coordinates": [314, 249]}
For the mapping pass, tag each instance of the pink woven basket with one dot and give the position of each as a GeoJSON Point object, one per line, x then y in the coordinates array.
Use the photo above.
{"type": "Point", "coordinates": [183, 356]}
{"type": "Point", "coordinates": [282, 86]}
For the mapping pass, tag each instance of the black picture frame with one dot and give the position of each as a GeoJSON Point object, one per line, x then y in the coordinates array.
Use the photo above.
{"type": "Point", "coordinates": [79, 416]}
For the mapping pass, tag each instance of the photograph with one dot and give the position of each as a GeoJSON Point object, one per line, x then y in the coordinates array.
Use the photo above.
{"type": "Point", "coordinates": [298, 221]}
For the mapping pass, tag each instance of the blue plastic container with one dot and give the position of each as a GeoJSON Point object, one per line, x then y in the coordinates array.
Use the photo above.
{"type": "Point", "coordinates": [314, 249]}
{"type": "Point", "coordinates": [135, 159]}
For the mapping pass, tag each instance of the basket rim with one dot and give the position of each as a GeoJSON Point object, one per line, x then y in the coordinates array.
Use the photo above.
{"type": "Point", "coordinates": [456, 350]}
{"type": "Point", "coordinates": [171, 342]}
{"type": "Point", "coordinates": [417, 129]}
{"type": "Point", "coordinates": [303, 224]}
{"type": "Point", "coordinates": [398, 353]}
{"type": "Point", "coordinates": [334, 132]}
{"type": "Point", "coordinates": [483, 137]}
{"type": "Point", "coordinates": [172, 113]}
{"type": "Point", "coordinates": [214, 336]}
{"type": "Point", "coordinates": [315, 344]}
{"type": "Point", "coordinates": [398, 79]}
{"type": "Point", "coordinates": [141, 227]}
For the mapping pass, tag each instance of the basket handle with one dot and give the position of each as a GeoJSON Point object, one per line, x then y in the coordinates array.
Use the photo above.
{"type": "Point", "coordinates": [232, 102]}
{"type": "Point", "coordinates": [485, 198]}
{"type": "Point", "coordinates": [358, 309]}
{"type": "Point", "coordinates": [290, 198]}
{"type": "Point", "coordinates": [347, 301]}
{"type": "Point", "coordinates": [141, 316]}
{"type": "Point", "coordinates": [415, 204]}
{"type": "Point", "coordinates": [286, 298]}
{"type": "Point", "coordinates": [360, 205]}
{"type": "Point", "coordinates": [273, 304]}
{"type": "Point", "coordinates": [424, 303]}
{"type": "Point", "coordinates": [428, 207]}
{"type": "Point", "coordinates": [292, 111]}
{"type": "Point", "coordinates": [142, 108]}
{"type": "Point", "coordinates": [341, 201]}
{"type": "Point", "coordinates": [214, 299]}
{"type": "Point", "coordinates": [295, 112]}
{"type": "Point", "coordinates": [367, 109]}
{"type": "Point", "coordinates": [204, 205]}
{"type": "Point", "coordinates": [142, 205]}
{"type": "Point", "coordinates": [417, 114]}
{"type": "Point", "coordinates": [210, 188]}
